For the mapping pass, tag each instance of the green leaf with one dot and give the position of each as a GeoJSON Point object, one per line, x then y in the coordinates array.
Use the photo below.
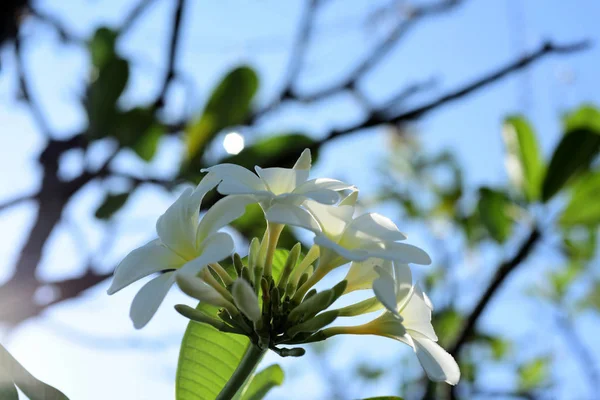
{"type": "Point", "coordinates": [111, 204]}
{"type": "Point", "coordinates": [228, 105]}
{"type": "Point", "coordinates": [33, 388]}
{"type": "Point", "coordinates": [267, 151]}
{"type": "Point", "coordinates": [447, 324]}
{"type": "Point", "coordinates": [102, 46]}
{"type": "Point", "coordinates": [525, 163]}
{"type": "Point", "coordinates": [261, 383]}
{"type": "Point", "coordinates": [103, 94]}
{"type": "Point", "coordinates": [533, 374]}
{"type": "Point", "coordinates": [573, 155]}
{"type": "Point", "coordinates": [208, 357]}
{"type": "Point", "coordinates": [138, 129]}
{"type": "Point", "coordinates": [583, 207]}
{"type": "Point", "coordinates": [369, 372]}
{"type": "Point", "coordinates": [585, 117]}
{"type": "Point", "coordinates": [494, 212]}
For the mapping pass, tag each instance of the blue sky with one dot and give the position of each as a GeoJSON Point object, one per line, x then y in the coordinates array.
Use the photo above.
{"type": "Point", "coordinates": [466, 43]}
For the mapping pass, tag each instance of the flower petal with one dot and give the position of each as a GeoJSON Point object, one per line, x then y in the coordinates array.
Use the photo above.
{"type": "Point", "coordinates": [304, 161]}
{"type": "Point", "coordinates": [404, 284]}
{"type": "Point", "coordinates": [348, 254]}
{"type": "Point", "coordinates": [362, 274]}
{"type": "Point", "coordinates": [282, 180]}
{"type": "Point", "coordinates": [417, 314]}
{"type": "Point", "coordinates": [222, 213]}
{"type": "Point", "coordinates": [143, 261]}
{"type": "Point", "coordinates": [351, 199]}
{"type": "Point", "coordinates": [282, 213]}
{"type": "Point", "coordinates": [236, 179]}
{"type": "Point", "coordinates": [332, 220]}
{"type": "Point", "coordinates": [177, 226]}
{"type": "Point", "coordinates": [372, 227]}
{"type": "Point", "coordinates": [195, 287]}
{"type": "Point", "coordinates": [245, 299]}
{"type": "Point", "coordinates": [322, 190]}
{"type": "Point", "coordinates": [399, 252]}
{"type": "Point", "coordinates": [148, 299]}
{"type": "Point", "coordinates": [214, 249]}
{"type": "Point", "coordinates": [385, 291]}
{"type": "Point", "coordinates": [439, 365]}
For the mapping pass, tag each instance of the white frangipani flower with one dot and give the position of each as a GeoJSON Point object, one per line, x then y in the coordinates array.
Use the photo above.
{"type": "Point", "coordinates": [355, 239]}
{"type": "Point", "coordinates": [408, 319]}
{"type": "Point", "coordinates": [285, 187]}
{"type": "Point", "coordinates": [183, 246]}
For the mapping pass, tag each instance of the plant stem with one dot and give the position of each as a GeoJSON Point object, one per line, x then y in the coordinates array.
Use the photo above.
{"type": "Point", "coordinates": [249, 362]}
{"type": "Point", "coordinates": [312, 280]}
{"type": "Point", "coordinates": [310, 258]}
{"type": "Point", "coordinates": [274, 232]}
{"type": "Point", "coordinates": [222, 273]}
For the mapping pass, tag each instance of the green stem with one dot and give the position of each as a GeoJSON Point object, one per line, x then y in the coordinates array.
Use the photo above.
{"type": "Point", "coordinates": [310, 258]}
{"type": "Point", "coordinates": [249, 362]}
{"type": "Point", "coordinates": [274, 232]}
{"type": "Point", "coordinates": [312, 280]}
{"type": "Point", "coordinates": [222, 273]}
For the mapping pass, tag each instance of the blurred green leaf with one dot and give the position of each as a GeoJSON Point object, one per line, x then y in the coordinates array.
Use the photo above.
{"type": "Point", "coordinates": [102, 46]}
{"type": "Point", "coordinates": [562, 279]}
{"type": "Point", "coordinates": [533, 374]}
{"type": "Point", "coordinates": [585, 117]}
{"type": "Point", "coordinates": [498, 346]}
{"type": "Point", "coordinates": [139, 130]}
{"type": "Point", "coordinates": [228, 105]}
{"type": "Point", "coordinates": [384, 398]}
{"type": "Point", "coordinates": [592, 298]}
{"type": "Point", "coordinates": [271, 148]}
{"type": "Point", "coordinates": [494, 212]}
{"type": "Point", "coordinates": [525, 163]}
{"type": "Point", "coordinates": [102, 96]}
{"type": "Point", "coordinates": [573, 155]}
{"type": "Point", "coordinates": [447, 324]}
{"type": "Point", "coordinates": [33, 388]}
{"type": "Point", "coordinates": [580, 242]}
{"type": "Point", "coordinates": [584, 205]}
{"type": "Point", "coordinates": [262, 382]}
{"type": "Point", "coordinates": [369, 372]}
{"type": "Point", "coordinates": [111, 204]}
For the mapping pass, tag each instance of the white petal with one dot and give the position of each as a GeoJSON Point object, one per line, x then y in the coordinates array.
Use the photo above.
{"type": "Point", "coordinates": [214, 249]}
{"type": "Point", "coordinates": [351, 199]}
{"type": "Point", "coordinates": [236, 179]}
{"type": "Point", "coordinates": [148, 299]}
{"type": "Point", "coordinates": [362, 274]}
{"type": "Point", "coordinates": [333, 220]}
{"type": "Point", "coordinates": [143, 261]}
{"type": "Point", "coordinates": [282, 180]}
{"type": "Point", "coordinates": [399, 252]}
{"type": "Point", "coordinates": [348, 254]}
{"type": "Point", "coordinates": [385, 291]}
{"type": "Point", "coordinates": [287, 214]}
{"type": "Point", "coordinates": [417, 315]}
{"type": "Point", "coordinates": [373, 227]}
{"type": "Point", "coordinates": [222, 213]}
{"type": "Point", "coordinates": [195, 287]}
{"type": "Point", "coordinates": [304, 161]}
{"type": "Point", "coordinates": [439, 365]}
{"type": "Point", "coordinates": [206, 184]}
{"type": "Point", "coordinates": [245, 299]}
{"type": "Point", "coordinates": [177, 226]}
{"type": "Point", "coordinates": [322, 190]}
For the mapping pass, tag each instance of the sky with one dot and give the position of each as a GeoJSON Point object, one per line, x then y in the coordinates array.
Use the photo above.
{"type": "Point", "coordinates": [90, 343]}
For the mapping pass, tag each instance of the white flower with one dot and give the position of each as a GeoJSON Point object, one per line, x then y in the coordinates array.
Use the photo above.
{"type": "Point", "coordinates": [370, 235]}
{"type": "Point", "coordinates": [285, 187]}
{"type": "Point", "coordinates": [183, 246]}
{"type": "Point", "coordinates": [408, 319]}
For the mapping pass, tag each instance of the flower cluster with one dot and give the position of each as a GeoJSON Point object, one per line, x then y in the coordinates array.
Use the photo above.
{"type": "Point", "coordinates": [279, 306]}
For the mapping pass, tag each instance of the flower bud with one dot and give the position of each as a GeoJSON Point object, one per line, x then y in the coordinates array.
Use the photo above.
{"type": "Point", "coordinates": [245, 299]}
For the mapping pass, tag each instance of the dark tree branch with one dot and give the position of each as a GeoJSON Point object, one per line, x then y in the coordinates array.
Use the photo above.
{"type": "Point", "coordinates": [131, 18]}
{"type": "Point", "coordinates": [380, 51]}
{"type": "Point", "coordinates": [57, 25]}
{"type": "Point", "coordinates": [17, 200]}
{"type": "Point", "coordinates": [502, 272]}
{"type": "Point", "coordinates": [173, 45]}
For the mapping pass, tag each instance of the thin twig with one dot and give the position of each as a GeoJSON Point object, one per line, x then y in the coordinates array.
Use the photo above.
{"type": "Point", "coordinates": [135, 13]}
{"type": "Point", "coordinates": [173, 45]}
{"type": "Point", "coordinates": [17, 200]}
{"type": "Point", "coordinates": [502, 272]}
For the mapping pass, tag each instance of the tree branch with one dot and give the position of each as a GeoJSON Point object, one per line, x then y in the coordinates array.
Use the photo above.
{"type": "Point", "coordinates": [502, 272]}
{"type": "Point", "coordinates": [175, 34]}
{"type": "Point", "coordinates": [17, 200]}
{"type": "Point", "coordinates": [131, 18]}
